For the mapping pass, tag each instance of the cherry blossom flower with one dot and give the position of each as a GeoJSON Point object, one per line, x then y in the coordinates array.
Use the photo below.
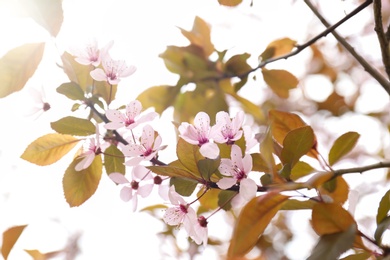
{"type": "Point", "coordinates": [91, 54]}
{"type": "Point", "coordinates": [181, 213]}
{"type": "Point", "coordinates": [200, 231]}
{"type": "Point", "coordinates": [226, 130]}
{"type": "Point", "coordinates": [147, 150]}
{"type": "Point", "coordinates": [130, 119]}
{"type": "Point", "coordinates": [92, 147]}
{"type": "Point", "coordinates": [237, 169]}
{"type": "Point", "coordinates": [132, 189]}
{"type": "Point", "coordinates": [200, 134]}
{"type": "Point", "coordinates": [250, 139]}
{"type": "Point", "coordinates": [112, 70]}
{"type": "Point", "coordinates": [39, 103]}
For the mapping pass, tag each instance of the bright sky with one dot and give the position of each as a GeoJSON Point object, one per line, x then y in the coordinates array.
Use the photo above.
{"type": "Point", "coordinates": [141, 31]}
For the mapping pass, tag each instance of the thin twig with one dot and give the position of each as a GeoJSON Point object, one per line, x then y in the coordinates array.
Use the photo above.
{"type": "Point", "coordinates": [371, 70]}
{"type": "Point", "coordinates": [362, 169]}
{"type": "Point", "coordinates": [382, 38]}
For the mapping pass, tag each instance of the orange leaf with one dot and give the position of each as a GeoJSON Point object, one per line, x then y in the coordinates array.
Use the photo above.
{"type": "Point", "coordinates": [280, 81]}
{"type": "Point", "coordinates": [278, 48]}
{"type": "Point", "coordinates": [252, 221]}
{"type": "Point", "coordinates": [230, 2]}
{"type": "Point", "coordinates": [337, 189]}
{"type": "Point", "coordinates": [200, 35]}
{"type": "Point", "coordinates": [10, 236]}
{"type": "Point", "coordinates": [330, 218]}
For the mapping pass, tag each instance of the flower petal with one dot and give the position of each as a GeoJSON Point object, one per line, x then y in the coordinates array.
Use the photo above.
{"type": "Point", "coordinates": [118, 178]}
{"type": "Point", "coordinates": [98, 75]}
{"type": "Point", "coordinates": [126, 193]}
{"type": "Point", "coordinates": [209, 150]}
{"type": "Point", "coordinates": [248, 189]}
{"type": "Point", "coordinates": [226, 183]}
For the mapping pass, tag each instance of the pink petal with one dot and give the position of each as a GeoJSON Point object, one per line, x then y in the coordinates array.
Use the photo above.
{"type": "Point", "coordinates": [147, 117]}
{"type": "Point", "coordinates": [209, 150]}
{"type": "Point", "coordinates": [133, 109]}
{"type": "Point", "coordinates": [247, 163]}
{"type": "Point", "coordinates": [226, 183]}
{"type": "Point", "coordinates": [118, 178]}
{"type": "Point", "coordinates": [226, 167]}
{"type": "Point", "coordinates": [188, 133]}
{"type": "Point", "coordinates": [113, 125]}
{"type": "Point", "coordinates": [202, 122]}
{"type": "Point", "coordinates": [131, 150]}
{"type": "Point", "coordinates": [135, 203]}
{"type": "Point", "coordinates": [128, 71]}
{"type": "Point", "coordinates": [115, 116]}
{"type": "Point", "coordinates": [145, 190]}
{"type": "Point", "coordinates": [236, 155]}
{"type": "Point", "coordinates": [140, 172]}
{"type": "Point", "coordinates": [134, 161]}
{"type": "Point", "coordinates": [98, 75]}
{"type": "Point", "coordinates": [126, 193]}
{"type": "Point", "coordinates": [173, 216]}
{"type": "Point", "coordinates": [86, 161]}
{"type": "Point", "coordinates": [147, 136]}
{"type": "Point", "coordinates": [248, 189]}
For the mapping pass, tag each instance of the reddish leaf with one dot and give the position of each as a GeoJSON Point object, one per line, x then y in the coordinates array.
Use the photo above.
{"type": "Point", "coordinates": [252, 221]}
{"type": "Point", "coordinates": [10, 236]}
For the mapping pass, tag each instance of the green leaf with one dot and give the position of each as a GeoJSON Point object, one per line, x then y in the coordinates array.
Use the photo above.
{"type": "Point", "coordinates": [47, 13]}
{"type": "Point", "coordinates": [188, 155]}
{"type": "Point", "coordinates": [79, 186]}
{"type": "Point", "coordinates": [342, 146]}
{"type": "Point", "coordinates": [10, 236]}
{"type": "Point", "coordinates": [381, 228]}
{"type": "Point", "coordinates": [74, 126]}
{"type": "Point", "coordinates": [114, 160]}
{"type": "Point", "coordinates": [18, 65]}
{"type": "Point", "coordinates": [300, 170]}
{"type": "Point", "coordinates": [207, 167]}
{"type": "Point", "coordinates": [71, 90]}
{"type": "Point", "coordinates": [293, 204]}
{"type": "Point", "coordinates": [297, 143]}
{"type": "Point", "coordinates": [225, 197]}
{"type": "Point", "coordinates": [280, 81]}
{"type": "Point", "coordinates": [331, 246]}
{"type": "Point", "coordinates": [383, 208]}
{"type": "Point", "coordinates": [174, 169]}
{"type": "Point", "coordinates": [184, 186]}
{"type": "Point", "coordinates": [259, 164]}
{"type": "Point", "coordinates": [252, 221]}
{"type": "Point", "coordinates": [49, 148]}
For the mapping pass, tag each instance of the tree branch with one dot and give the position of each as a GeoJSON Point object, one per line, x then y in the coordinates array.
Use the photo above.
{"type": "Point", "coordinates": [371, 70]}
{"type": "Point", "coordinates": [382, 38]}
{"type": "Point", "coordinates": [362, 169]}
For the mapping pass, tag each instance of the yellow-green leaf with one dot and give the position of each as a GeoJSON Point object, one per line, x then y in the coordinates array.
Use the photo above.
{"type": "Point", "coordinates": [10, 236]}
{"type": "Point", "coordinates": [18, 65]}
{"type": "Point", "coordinates": [252, 221]}
{"type": "Point", "coordinates": [330, 218]}
{"type": "Point", "coordinates": [188, 154]}
{"type": "Point", "coordinates": [114, 160]}
{"type": "Point", "coordinates": [297, 143]}
{"type": "Point", "coordinates": [278, 48]}
{"type": "Point", "coordinates": [383, 208]}
{"type": "Point", "coordinates": [293, 204]}
{"type": "Point", "coordinates": [79, 186]}
{"type": "Point", "coordinates": [229, 2]}
{"type": "Point", "coordinates": [280, 81]}
{"type": "Point", "coordinates": [105, 90]}
{"type": "Point", "coordinates": [77, 72]}
{"type": "Point", "coordinates": [159, 97]}
{"type": "Point", "coordinates": [74, 126]}
{"type": "Point", "coordinates": [174, 169]}
{"type": "Point", "coordinates": [301, 169]}
{"type": "Point", "coordinates": [49, 148]}
{"type": "Point", "coordinates": [71, 90]}
{"type": "Point", "coordinates": [47, 13]}
{"type": "Point", "coordinates": [184, 186]}
{"type": "Point", "coordinates": [237, 64]}
{"type": "Point", "coordinates": [200, 35]}
{"type": "Point", "coordinates": [343, 145]}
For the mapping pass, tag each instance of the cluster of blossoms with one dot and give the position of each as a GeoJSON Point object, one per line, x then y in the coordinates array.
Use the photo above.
{"type": "Point", "coordinates": [142, 149]}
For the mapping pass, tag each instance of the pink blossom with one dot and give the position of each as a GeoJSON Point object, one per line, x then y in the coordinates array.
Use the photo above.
{"type": "Point", "coordinates": [91, 54]}
{"type": "Point", "coordinates": [131, 189]}
{"type": "Point", "coordinates": [146, 150]}
{"type": "Point", "coordinates": [112, 70]}
{"type": "Point", "coordinates": [130, 119]}
{"type": "Point", "coordinates": [200, 134]}
{"type": "Point", "coordinates": [227, 130]}
{"type": "Point", "coordinates": [200, 231]}
{"type": "Point", "coordinates": [91, 149]}
{"type": "Point", "coordinates": [236, 169]}
{"type": "Point", "coordinates": [181, 213]}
